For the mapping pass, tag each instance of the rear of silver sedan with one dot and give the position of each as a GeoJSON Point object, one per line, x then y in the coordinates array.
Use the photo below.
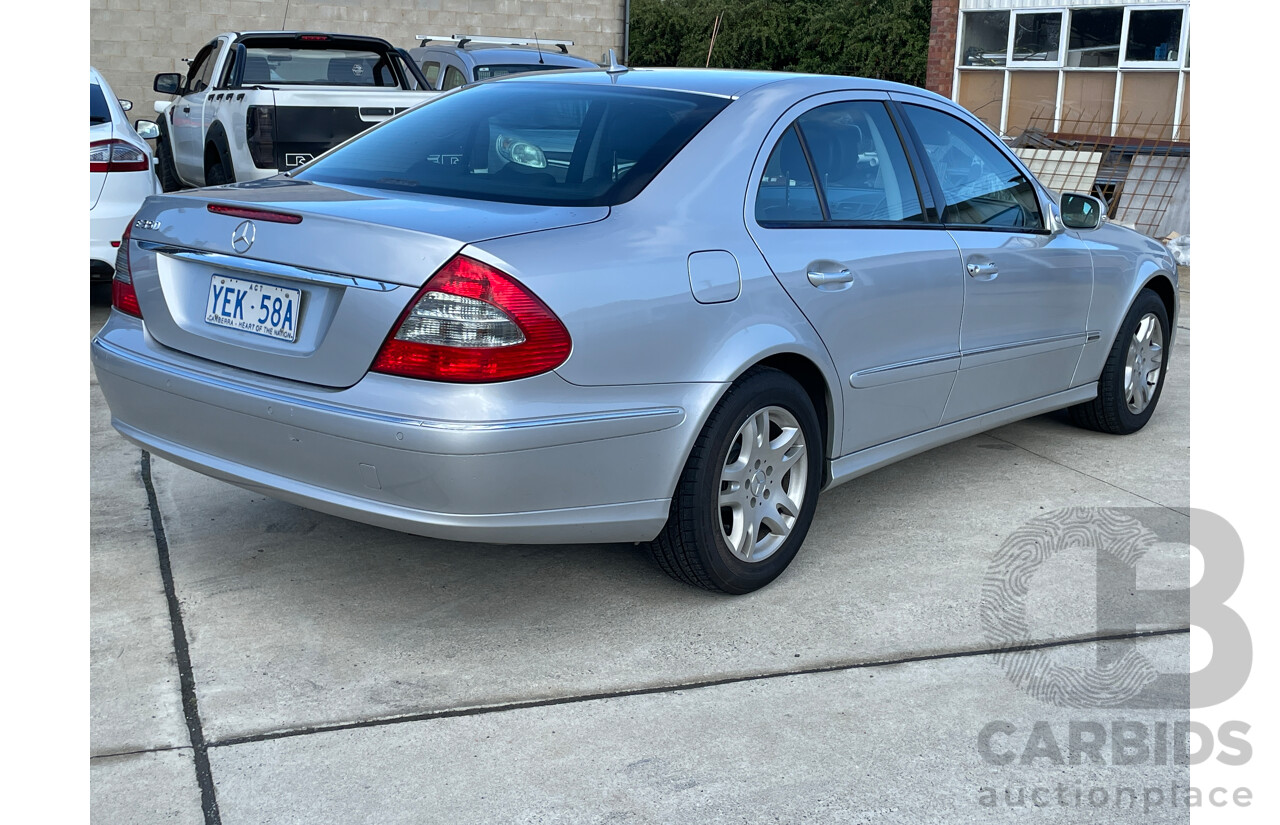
{"type": "Point", "coordinates": [356, 350]}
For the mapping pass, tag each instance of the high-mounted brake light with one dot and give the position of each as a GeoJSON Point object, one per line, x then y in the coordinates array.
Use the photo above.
{"type": "Point", "coordinates": [123, 295]}
{"type": "Point", "coordinates": [254, 214]}
{"type": "Point", "coordinates": [117, 156]}
{"type": "Point", "coordinates": [471, 323]}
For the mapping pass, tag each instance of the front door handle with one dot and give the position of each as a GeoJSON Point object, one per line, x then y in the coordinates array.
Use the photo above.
{"type": "Point", "coordinates": [983, 271]}
{"type": "Point", "coordinates": [821, 279]}
{"type": "Point", "coordinates": [186, 109]}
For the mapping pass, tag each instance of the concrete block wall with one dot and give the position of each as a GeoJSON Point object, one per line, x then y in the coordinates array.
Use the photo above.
{"type": "Point", "coordinates": [133, 40]}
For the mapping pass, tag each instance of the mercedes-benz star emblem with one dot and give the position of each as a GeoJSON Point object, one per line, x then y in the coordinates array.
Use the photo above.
{"type": "Point", "coordinates": [242, 238]}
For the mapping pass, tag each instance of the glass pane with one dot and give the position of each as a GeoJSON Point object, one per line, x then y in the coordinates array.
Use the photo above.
{"type": "Point", "coordinates": [860, 163]}
{"type": "Point", "coordinates": [1154, 34]}
{"type": "Point", "coordinates": [982, 93]}
{"type": "Point", "coordinates": [1147, 104]}
{"type": "Point", "coordinates": [981, 186]}
{"type": "Point", "coordinates": [787, 193]}
{"type": "Point", "coordinates": [1036, 36]}
{"type": "Point", "coordinates": [986, 38]}
{"type": "Point", "coordinates": [1095, 37]}
{"type": "Point", "coordinates": [1088, 103]}
{"type": "Point", "coordinates": [1033, 100]}
{"type": "Point", "coordinates": [569, 145]}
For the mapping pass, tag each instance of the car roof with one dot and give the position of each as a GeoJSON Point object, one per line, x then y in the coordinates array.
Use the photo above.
{"type": "Point", "coordinates": [497, 53]}
{"type": "Point", "coordinates": [720, 82]}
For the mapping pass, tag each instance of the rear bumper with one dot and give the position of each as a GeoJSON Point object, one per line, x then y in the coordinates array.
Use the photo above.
{"type": "Point", "coordinates": [526, 462]}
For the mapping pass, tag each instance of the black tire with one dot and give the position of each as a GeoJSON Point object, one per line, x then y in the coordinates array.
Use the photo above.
{"type": "Point", "coordinates": [1117, 409]}
{"type": "Point", "coordinates": [693, 546]}
{"type": "Point", "coordinates": [215, 174]}
{"type": "Point", "coordinates": [165, 171]}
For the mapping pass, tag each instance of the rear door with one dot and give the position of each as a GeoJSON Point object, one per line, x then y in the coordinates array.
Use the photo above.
{"type": "Point", "coordinates": [836, 211]}
{"type": "Point", "coordinates": [1026, 288]}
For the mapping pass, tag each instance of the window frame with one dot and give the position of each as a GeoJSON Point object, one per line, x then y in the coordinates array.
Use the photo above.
{"type": "Point", "coordinates": [789, 121]}
{"type": "Point", "coordinates": [1183, 34]}
{"type": "Point", "coordinates": [1010, 62]}
{"type": "Point", "coordinates": [1043, 202]}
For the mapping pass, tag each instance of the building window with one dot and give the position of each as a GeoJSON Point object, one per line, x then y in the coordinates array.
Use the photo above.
{"type": "Point", "coordinates": [1036, 37]}
{"type": "Point", "coordinates": [986, 38]}
{"type": "Point", "coordinates": [1155, 36]}
{"type": "Point", "coordinates": [1095, 37]}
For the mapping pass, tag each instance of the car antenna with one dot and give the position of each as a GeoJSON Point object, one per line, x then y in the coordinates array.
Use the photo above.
{"type": "Point", "coordinates": [538, 46]}
{"type": "Point", "coordinates": [615, 68]}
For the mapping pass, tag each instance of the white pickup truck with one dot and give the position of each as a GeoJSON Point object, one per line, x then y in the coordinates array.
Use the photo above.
{"type": "Point", "coordinates": [254, 104]}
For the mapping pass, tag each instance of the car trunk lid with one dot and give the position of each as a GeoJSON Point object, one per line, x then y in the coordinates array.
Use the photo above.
{"type": "Point", "coordinates": [342, 263]}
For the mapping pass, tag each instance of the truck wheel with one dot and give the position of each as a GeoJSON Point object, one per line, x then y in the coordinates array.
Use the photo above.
{"type": "Point", "coordinates": [164, 167]}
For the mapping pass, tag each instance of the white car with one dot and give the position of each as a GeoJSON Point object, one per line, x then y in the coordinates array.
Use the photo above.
{"type": "Point", "coordinates": [121, 174]}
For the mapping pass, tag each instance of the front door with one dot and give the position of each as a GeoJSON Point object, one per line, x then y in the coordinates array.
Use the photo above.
{"type": "Point", "coordinates": [1026, 288]}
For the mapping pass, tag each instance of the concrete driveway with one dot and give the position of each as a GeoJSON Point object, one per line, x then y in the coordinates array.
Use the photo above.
{"type": "Point", "coordinates": [254, 662]}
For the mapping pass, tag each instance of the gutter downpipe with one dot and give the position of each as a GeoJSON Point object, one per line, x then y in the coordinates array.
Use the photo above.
{"type": "Point", "coordinates": [626, 31]}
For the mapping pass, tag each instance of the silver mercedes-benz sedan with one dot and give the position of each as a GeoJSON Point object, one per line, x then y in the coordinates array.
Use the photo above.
{"type": "Point", "coordinates": [661, 306]}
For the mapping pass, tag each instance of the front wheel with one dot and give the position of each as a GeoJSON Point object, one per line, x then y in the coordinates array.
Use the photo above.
{"type": "Point", "coordinates": [748, 492]}
{"type": "Point", "coordinates": [1133, 375]}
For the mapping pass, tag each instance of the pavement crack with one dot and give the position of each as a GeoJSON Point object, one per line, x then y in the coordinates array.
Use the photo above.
{"type": "Point", "coordinates": [190, 706]}
{"type": "Point", "coordinates": [483, 710]}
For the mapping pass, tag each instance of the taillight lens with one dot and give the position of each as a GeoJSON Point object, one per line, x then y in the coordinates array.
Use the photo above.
{"type": "Point", "coordinates": [116, 156]}
{"type": "Point", "coordinates": [472, 323]}
{"type": "Point", "coordinates": [260, 134]}
{"type": "Point", "coordinates": [123, 296]}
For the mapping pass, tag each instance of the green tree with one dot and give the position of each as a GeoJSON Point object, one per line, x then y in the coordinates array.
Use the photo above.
{"type": "Point", "coordinates": [887, 39]}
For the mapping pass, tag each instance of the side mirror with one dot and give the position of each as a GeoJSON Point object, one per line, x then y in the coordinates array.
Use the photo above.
{"type": "Point", "coordinates": [167, 83]}
{"type": "Point", "coordinates": [146, 129]}
{"type": "Point", "coordinates": [125, 104]}
{"type": "Point", "coordinates": [1082, 211]}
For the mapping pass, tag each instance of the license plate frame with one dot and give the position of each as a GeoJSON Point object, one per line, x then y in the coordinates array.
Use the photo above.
{"type": "Point", "coordinates": [253, 306]}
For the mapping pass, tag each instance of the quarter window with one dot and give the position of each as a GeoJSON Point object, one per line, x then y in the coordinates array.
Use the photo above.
{"type": "Point", "coordinates": [787, 193]}
{"type": "Point", "coordinates": [980, 185]}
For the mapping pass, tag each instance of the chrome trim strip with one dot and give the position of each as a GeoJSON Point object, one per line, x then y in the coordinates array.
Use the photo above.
{"type": "Point", "coordinates": [1065, 340]}
{"type": "Point", "coordinates": [904, 371]}
{"type": "Point", "coordinates": [426, 423]}
{"type": "Point", "coordinates": [293, 273]}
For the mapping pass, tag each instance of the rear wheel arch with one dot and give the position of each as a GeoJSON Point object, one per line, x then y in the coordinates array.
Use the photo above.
{"type": "Point", "coordinates": [809, 375]}
{"type": "Point", "coordinates": [217, 152]}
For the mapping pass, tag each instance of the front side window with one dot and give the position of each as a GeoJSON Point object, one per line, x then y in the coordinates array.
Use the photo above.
{"type": "Point", "coordinates": [557, 145]}
{"type": "Point", "coordinates": [431, 70]}
{"type": "Point", "coordinates": [980, 185]}
{"type": "Point", "coordinates": [201, 69]}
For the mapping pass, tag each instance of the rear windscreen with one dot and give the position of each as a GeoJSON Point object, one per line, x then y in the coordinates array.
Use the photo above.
{"type": "Point", "coordinates": [546, 143]}
{"type": "Point", "coordinates": [502, 70]}
{"type": "Point", "coordinates": [279, 66]}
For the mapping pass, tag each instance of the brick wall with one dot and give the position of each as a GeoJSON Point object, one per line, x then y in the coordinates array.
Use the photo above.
{"type": "Point", "coordinates": [942, 46]}
{"type": "Point", "coordinates": [130, 41]}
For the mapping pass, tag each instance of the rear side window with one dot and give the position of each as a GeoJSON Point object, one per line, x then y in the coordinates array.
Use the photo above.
{"type": "Point", "coordinates": [432, 72]}
{"type": "Point", "coordinates": [861, 169]}
{"type": "Point", "coordinates": [453, 78]}
{"type": "Point", "coordinates": [548, 143]}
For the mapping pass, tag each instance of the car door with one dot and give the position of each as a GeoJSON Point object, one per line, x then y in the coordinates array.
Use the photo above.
{"type": "Point", "coordinates": [188, 115]}
{"type": "Point", "coordinates": [1027, 287]}
{"type": "Point", "coordinates": [835, 208]}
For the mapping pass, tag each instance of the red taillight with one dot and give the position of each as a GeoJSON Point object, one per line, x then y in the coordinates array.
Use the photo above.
{"type": "Point", "coordinates": [123, 296]}
{"type": "Point", "coordinates": [471, 323]}
{"type": "Point", "coordinates": [260, 135]}
{"type": "Point", "coordinates": [117, 156]}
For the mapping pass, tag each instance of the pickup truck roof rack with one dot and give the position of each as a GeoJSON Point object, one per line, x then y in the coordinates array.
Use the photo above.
{"type": "Point", "coordinates": [463, 39]}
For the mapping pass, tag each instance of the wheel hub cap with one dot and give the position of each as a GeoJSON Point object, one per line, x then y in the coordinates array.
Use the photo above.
{"type": "Point", "coordinates": [1144, 363]}
{"type": "Point", "coordinates": [763, 483]}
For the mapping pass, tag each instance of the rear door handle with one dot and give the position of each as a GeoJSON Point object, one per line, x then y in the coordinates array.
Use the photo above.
{"type": "Point", "coordinates": [983, 271]}
{"type": "Point", "coordinates": [821, 279]}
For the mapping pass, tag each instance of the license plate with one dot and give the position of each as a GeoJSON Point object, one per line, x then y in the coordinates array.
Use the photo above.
{"type": "Point", "coordinates": [253, 307]}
